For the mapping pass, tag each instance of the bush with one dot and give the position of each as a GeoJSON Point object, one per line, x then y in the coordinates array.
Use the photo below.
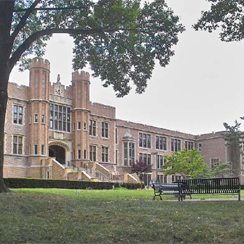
{"type": "Point", "coordinates": [65, 184]}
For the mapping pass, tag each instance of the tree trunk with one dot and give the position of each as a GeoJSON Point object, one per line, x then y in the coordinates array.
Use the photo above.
{"type": "Point", "coordinates": [3, 103]}
{"type": "Point", "coordinates": [6, 11]}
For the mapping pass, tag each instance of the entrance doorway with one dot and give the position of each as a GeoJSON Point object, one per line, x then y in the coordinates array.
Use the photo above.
{"type": "Point", "coordinates": [58, 153]}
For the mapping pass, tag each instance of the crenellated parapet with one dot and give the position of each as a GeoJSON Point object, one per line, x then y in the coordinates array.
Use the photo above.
{"type": "Point", "coordinates": [80, 76]}
{"type": "Point", "coordinates": [40, 63]}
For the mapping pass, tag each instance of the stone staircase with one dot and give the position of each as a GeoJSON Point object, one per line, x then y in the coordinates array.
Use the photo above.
{"type": "Point", "coordinates": [93, 172]}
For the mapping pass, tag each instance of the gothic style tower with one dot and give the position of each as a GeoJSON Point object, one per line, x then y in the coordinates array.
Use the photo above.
{"type": "Point", "coordinates": [38, 110]}
{"type": "Point", "coordinates": [80, 117]}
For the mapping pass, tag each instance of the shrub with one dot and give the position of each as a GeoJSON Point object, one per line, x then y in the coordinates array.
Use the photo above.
{"type": "Point", "coordinates": [65, 184]}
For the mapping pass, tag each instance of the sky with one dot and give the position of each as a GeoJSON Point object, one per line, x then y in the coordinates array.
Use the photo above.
{"type": "Point", "coordinates": [201, 88]}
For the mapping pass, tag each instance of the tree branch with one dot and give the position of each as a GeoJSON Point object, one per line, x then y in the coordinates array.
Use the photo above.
{"type": "Point", "coordinates": [27, 43]}
{"type": "Point", "coordinates": [42, 9]}
{"type": "Point", "coordinates": [23, 19]}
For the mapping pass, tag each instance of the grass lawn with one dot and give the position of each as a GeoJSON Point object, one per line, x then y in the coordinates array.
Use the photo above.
{"type": "Point", "coordinates": [115, 216]}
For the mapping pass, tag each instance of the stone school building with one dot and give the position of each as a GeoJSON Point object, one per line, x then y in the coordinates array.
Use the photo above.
{"type": "Point", "coordinates": [56, 132]}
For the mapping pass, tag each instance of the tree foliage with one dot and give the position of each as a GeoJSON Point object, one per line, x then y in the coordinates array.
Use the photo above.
{"type": "Point", "coordinates": [119, 39]}
{"type": "Point", "coordinates": [222, 170]}
{"type": "Point", "coordinates": [186, 163]}
{"type": "Point", "coordinates": [140, 168]}
{"type": "Point", "coordinates": [228, 15]}
{"type": "Point", "coordinates": [234, 140]}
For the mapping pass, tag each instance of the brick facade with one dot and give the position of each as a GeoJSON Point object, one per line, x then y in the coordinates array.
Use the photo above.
{"type": "Point", "coordinates": [46, 121]}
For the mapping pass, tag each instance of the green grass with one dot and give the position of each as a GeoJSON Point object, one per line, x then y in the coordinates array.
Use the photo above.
{"type": "Point", "coordinates": [115, 216]}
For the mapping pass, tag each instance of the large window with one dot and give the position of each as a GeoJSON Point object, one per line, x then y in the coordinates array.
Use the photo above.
{"type": "Point", "coordinates": [162, 179]}
{"type": "Point", "coordinates": [129, 153]}
{"type": "Point", "coordinates": [105, 129]}
{"type": "Point", "coordinates": [17, 144]}
{"type": "Point", "coordinates": [145, 157]}
{"type": "Point", "coordinates": [93, 153]}
{"type": "Point", "coordinates": [104, 154]}
{"type": "Point", "coordinates": [144, 140]}
{"type": "Point", "coordinates": [59, 117]}
{"type": "Point", "coordinates": [188, 145]}
{"type": "Point", "coordinates": [214, 163]}
{"type": "Point", "coordinates": [161, 143]}
{"type": "Point", "coordinates": [160, 161]}
{"type": "Point", "coordinates": [92, 127]}
{"type": "Point", "coordinates": [175, 145]}
{"type": "Point", "coordinates": [200, 147]}
{"type": "Point", "coordinates": [18, 115]}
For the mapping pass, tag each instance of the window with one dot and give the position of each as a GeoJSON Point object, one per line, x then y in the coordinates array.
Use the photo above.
{"type": "Point", "coordinates": [129, 153]}
{"type": "Point", "coordinates": [105, 129]}
{"type": "Point", "coordinates": [43, 119]}
{"type": "Point", "coordinates": [188, 145]}
{"type": "Point", "coordinates": [17, 144]}
{"type": "Point", "coordinates": [116, 136]}
{"type": "Point", "coordinates": [144, 140]}
{"type": "Point", "coordinates": [79, 154]}
{"type": "Point", "coordinates": [162, 179]}
{"type": "Point", "coordinates": [175, 145]}
{"type": "Point", "coordinates": [200, 147]}
{"type": "Point", "coordinates": [35, 150]}
{"type": "Point", "coordinates": [59, 117]}
{"type": "Point", "coordinates": [160, 161]}
{"type": "Point", "coordinates": [79, 125]}
{"type": "Point", "coordinates": [92, 127]}
{"type": "Point", "coordinates": [145, 157]}
{"type": "Point", "coordinates": [177, 177]}
{"type": "Point", "coordinates": [84, 154]}
{"type": "Point", "coordinates": [214, 163]}
{"type": "Point", "coordinates": [104, 154]}
{"type": "Point", "coordinates": [85, 127]}
{"type": "Point", "coordinates": [161, 143]}
{"type": "Point", "coordinates": [18, 115]}
{"type": "Point", "coordinates": [93, 154]}
{"type": "Point", "coordinates": [42, 149]}
{"type": "Point", "coordinates": [35, 118]}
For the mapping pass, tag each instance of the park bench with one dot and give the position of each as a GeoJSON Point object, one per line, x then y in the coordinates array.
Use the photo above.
{"type": "Point", "coordinates": [168, 189]}
{"type": "Point", "coordinates": [224, 186]}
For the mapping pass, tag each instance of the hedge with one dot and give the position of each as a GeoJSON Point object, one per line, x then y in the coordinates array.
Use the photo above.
{"type": "Point", "coordinates": [65, 184]}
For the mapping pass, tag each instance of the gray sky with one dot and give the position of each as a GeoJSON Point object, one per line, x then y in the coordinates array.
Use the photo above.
{"type": "Point", "coordinates": [201, 88]}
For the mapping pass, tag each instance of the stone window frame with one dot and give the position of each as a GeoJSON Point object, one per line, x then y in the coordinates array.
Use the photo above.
{"type": "Point", "coordinates": [17, 136]}
{"type": "Point", "coordinates": [129, 152]}
{"type": "Point", "coordinates": [35, 118]}
{"type": "Point", "coordinates": [200, 146]}
{"type": "Point", "coordinates": [79, 154]}
{"type": "Point", "coordinates": [145, 140]}
{"type": "Point", "coordinates": [146, 157]}
{"type": "Point", "coordinates": [105, 154]}
{"type": "Point", "coordinates": [93, 153]}
{"type": "Point", "coordinates": [161, 143]}
{"type": "Point", "coordinates": [189, 145]}
{"type": "Point", "coordinates": [160, 161]}
{"type": "Point", "coordinates": [78, 125]}
{"type": "Point", "coordinates": [92, 127]}
{"type": "Point", "coordinates": [42, 149]}
{"type": "Point", "coordinates": [35, 149]}
{"type": "Point", "coordinates": [18, 114]}
{"type": "Point", "coordinates": [214, 162]}
{"type": "Point", "coordinates": [43, 119]}
{"type": "Point", "coordinates": [105, 129]}
{"type": "Point", "coordinates": [54, 117]}
{"type": "Point", "coordinates": [175, 145]}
